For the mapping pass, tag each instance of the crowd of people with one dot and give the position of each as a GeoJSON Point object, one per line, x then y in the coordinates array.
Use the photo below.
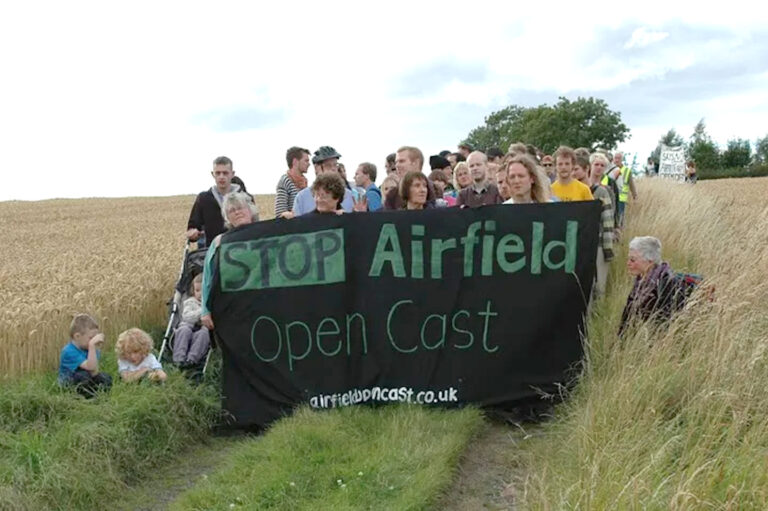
{"type": "Point", "coordinates": [467, 178]}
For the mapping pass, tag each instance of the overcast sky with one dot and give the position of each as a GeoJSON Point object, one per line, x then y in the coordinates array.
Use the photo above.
{"type": "Point", "coordinates": [137, 98]}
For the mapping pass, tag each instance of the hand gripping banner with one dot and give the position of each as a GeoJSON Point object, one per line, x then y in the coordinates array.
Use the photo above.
{"type": "Point", "coordinates": [442, 307]}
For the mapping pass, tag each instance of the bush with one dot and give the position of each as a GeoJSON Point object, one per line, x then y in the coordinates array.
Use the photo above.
{"type": "Point", "coordinates": [754, 171]}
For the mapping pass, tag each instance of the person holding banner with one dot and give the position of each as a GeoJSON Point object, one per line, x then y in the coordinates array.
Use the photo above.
{"type": "Point", "coordinates": [237, 209]}
{"type": "Point", "coordinates": [413, 191]}
{"type": "Point", "coordinates": [328, 190]}
{"type": "Point", "coordinates": [526, 183]}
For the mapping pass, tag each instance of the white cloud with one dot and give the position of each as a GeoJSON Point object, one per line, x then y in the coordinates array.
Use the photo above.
{"type": "Point", "coordinates": [643, 37]}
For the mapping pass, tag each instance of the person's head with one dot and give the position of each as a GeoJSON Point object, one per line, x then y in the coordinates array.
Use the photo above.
{"type": "Point", "coordinates": [463, 177]}
{"type": "Point", "coordinates": [464, 149]}
{"type": "Point", "coordinates": [222, 173]}
{"type": "Point", "coordinates": [390, 163]}
{"type": "Point", "coordinates": [581, 167]}
{"type": "Point", "coordinates": [644, 254]}
{"type": "Point", "coordinates": [525, 180]}
{"type": "Point", "coordinates": [328, 190]}
{"type": "Point", "coordinates": [196, 289]}
{"type": "Point", "coordinates": [451, 157]}
{"type": "Point", "coordinates": [442, 164]}
{"type": "Point", "coordinates": [690, 164]}
{"type": "Point", "coordinates": [326, 159]}
{"type": "Point", "coordinates": [413, 190]}
{"type": "Point", "coordinates": [478, 166]}
{"type": "Point", "coordinates": [517, 148]}
{"type": "Point", "coordinates": [409, 159]}
{"type": "Point", "coordinates": [342, 171]}
{"type": "Point", "coordinates": [618, 159]}
{"type": "Point", "coordinates": [365, 174]}
{"type": "Point", "coordinates": [133, 345]}
{"type": "Point", "coordinates": [238, 209]}
{"type": "Point", "coordinates": [297, 159]}
{"type": "Point", "coordinates": [388, 184]}
{"type": "Point", "coordinates": [501, 183]}
{"type": "Point", "coordinates": [598, 164]}
{"type": "Point", "coordinates": [440, 181]}
{"type": "Point", "coordinates": [444, 153]}
{"type": "Point", "coordinates": [493, 168]}
{"type": "Point", "coordinates": [548, 164]}
{"type": "Point", "coordinates": [494, 155]}
{"type": "Point", "coordinates": [82, 329]}
{"type": "Point", "coordinates": [564, 157]}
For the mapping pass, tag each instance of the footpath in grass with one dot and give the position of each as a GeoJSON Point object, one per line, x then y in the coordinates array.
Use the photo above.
{"type": "Point", "coordinates": [395, 457]}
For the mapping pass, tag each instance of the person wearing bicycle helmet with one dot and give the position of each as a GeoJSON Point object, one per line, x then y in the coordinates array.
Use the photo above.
{"type": "Point", "coordinates": [325, 159]}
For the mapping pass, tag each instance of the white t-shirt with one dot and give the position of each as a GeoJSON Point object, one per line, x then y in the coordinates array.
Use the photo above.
{"type": "Point", "coordinates": [150, 362]}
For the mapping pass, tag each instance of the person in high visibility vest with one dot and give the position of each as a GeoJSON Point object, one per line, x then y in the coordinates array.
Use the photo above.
{"type": "Point", "coordinates": [626, 186]}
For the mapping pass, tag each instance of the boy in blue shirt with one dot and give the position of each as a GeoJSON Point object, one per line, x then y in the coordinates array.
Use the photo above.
{"type": "Point", "coordinates": [79, 363]}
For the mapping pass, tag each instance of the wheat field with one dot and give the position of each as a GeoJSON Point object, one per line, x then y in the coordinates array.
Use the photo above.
{"type": "Point", "coordinates": [116, 259]}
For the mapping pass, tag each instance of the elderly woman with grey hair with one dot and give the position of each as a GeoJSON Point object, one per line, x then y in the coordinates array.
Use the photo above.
{"type": "Point", "coordinates": [655, 293]}
{"type": "Point", "coordinates": [238, 210]}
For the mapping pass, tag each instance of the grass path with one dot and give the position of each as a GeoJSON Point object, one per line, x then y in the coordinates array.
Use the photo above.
{"type": "Point", "coordinates": [189, 467]}
{"type": "Point", "coordinates": [483, 476]}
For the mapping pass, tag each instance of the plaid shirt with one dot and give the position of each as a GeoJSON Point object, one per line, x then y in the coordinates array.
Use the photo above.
{"type": "Point", "coordinates": [606, 219]}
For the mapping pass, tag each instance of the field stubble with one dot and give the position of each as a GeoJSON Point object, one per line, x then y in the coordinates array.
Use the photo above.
{"type": "Point", "coordinates": [116, 259]}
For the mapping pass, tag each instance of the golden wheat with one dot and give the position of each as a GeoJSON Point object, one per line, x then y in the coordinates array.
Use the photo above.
{"type": "Point", "coordinates": [116, 259]}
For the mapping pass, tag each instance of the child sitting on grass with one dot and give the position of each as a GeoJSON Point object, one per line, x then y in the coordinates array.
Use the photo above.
{"type": "Point", "coordinates": [79, 362]}
{"type": "Point", "coordinates": [191, 339]}
{"type": "Point", "coordinates": [135, 359]}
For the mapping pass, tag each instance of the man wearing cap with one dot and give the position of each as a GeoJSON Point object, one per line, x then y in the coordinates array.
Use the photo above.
{"type": "Point", "coordinates": [481, 192]}
{"type": "Point", "coordinates": [326, 159]}
{"type": "Point", "coordinates": [205, 219]}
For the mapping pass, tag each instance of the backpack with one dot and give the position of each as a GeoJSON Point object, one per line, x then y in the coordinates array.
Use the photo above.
{"type": "Point", "coordinates": [686, 283]}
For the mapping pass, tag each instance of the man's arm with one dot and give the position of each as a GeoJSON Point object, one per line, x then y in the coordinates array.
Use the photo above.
{"type": "Point", "coordinates": [195, 222]}
{"type": "Point", "coordinates": [281, 199]}
{"type": "Point", "coordinates": [632, 188]}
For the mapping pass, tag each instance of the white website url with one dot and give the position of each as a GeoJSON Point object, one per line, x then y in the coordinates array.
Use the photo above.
{"type": "Point", "coordinates": [384, 395]}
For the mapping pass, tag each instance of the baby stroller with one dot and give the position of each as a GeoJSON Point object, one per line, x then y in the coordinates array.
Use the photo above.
{"type": "Point", "coordinates": [191, 265]}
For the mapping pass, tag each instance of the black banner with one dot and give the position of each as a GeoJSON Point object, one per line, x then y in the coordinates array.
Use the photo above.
{"type": "Point", "coordinates": [442, 307]}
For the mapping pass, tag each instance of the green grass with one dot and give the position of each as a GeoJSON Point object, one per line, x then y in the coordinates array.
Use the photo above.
{"type": "Point", "coordinates": [396, 457]}
{"type": "Point", "coordinates": [60, 451]}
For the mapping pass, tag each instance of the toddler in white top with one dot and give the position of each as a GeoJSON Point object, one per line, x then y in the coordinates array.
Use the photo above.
{"type": "Point", "coordinates": [135, 359]}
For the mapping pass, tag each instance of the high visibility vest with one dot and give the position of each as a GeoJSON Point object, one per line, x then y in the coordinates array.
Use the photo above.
{"type": "Point", "coordinates": [626, 174]}
{"type": "Point", "coordinates": [605, 180]}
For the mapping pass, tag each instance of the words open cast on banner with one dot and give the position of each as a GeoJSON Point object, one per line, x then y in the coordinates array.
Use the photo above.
{"type": "Point", "coordinates": [442, 307]}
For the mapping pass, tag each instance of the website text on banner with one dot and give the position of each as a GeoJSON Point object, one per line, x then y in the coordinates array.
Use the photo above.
{"type": "Point", "coordinates": [445, 307]}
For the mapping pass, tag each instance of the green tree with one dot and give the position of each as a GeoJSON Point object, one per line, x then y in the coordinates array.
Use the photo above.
{"type": "Point", "coordinates": [761, 151]}
{"type": "Point", "coordinates": [702, 149]}
{"type": "Point", "coordinates": [586, 122]}
{"type": "Point", "coordinates": [671, 138]}
{"type": "Point", "coordinates": [737, 154]}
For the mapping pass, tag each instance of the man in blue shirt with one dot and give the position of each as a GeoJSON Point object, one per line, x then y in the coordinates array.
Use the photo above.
{"type": "Point", "coordinates": [365, 177]}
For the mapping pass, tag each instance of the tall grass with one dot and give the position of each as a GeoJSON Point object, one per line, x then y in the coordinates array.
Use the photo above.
{"type": "Point", "coordinates": [59, 451]}
{"type": "Point", "coordinates": [677, 418]}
